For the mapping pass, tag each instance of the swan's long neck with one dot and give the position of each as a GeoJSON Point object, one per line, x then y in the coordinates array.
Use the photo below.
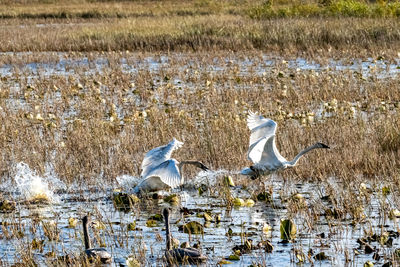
{"type": "Point", "coordinates": [86, 232]}
{"type": "Point", "coordinates": [296, 159]}
{"type": "Point", "coordinates": [167, 232]}
{"type": "Point", "coordinates": [190, 162]}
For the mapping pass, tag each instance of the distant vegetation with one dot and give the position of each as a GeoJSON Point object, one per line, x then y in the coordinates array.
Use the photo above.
{"type": "Point", "coordinates": [293, 26]}
{"type": "Point", "coordinates": [326, 8]}
{"type": "Point", "coordinates": [254, 9]}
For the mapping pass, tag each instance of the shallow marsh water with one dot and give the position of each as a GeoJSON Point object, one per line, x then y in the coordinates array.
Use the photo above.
{"type": "Point", "coordinates": [74, 201]}
{"type": "Point", "coordinates": [63, 64]}
{"type": "Point", "coordinates": [334, 237]}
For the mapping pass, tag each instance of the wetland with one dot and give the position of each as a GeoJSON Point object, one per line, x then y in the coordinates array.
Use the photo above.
{"type": "Point", "coordinates": [78, 114]}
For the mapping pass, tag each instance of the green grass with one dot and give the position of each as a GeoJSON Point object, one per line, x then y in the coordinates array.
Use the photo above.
{"type": "Point", "coordinates": [339, 8]}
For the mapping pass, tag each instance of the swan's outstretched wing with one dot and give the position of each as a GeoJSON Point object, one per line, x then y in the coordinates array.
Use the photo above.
{"type": "Point", "coordinates": [167, 172]}
{"type": "Point", "coordinates": [271, 159]}
{"type": "Point", "coordinates": [262, 151]}
{"type": "Point", "coordinates": [260, 127]}
{"type": "Point", "coordinates": [158, 155]}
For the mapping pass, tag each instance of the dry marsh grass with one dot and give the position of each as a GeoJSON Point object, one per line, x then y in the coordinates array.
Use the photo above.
{"type": "Point", "coordinates": [188, 26]}
{"type": "Point", "coordinates": [91, 116]}
{"type": "Point", "coordinates": [101, 124]}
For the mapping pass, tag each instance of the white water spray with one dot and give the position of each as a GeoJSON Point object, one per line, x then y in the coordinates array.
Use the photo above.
{"type": "Point", "coordinates": [33, 187]}
{"type": "Point", "coordinates": [127, 182]}
{"type": "Point", "coordinates": [209, 177]}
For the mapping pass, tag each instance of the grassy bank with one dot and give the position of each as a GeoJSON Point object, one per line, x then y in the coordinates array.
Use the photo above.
{"type": "Point", "coordinates": [200, 25]}
{"type": "Point", "coordinates": [207, 33]}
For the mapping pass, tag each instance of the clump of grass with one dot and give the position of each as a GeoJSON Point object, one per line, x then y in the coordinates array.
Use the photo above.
{"type": "Point", "coordinates": [306, 26]}
{"type": "Point", "coordinates": [389, 136]}
{"type": "Point", "coordinates": [100, 125]}
{"type": "Point", "coordinates": [338, 8]}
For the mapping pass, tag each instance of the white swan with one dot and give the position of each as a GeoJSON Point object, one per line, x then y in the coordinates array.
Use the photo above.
{"type": "Point", "coordinates": [160, 171]}
{"type": "Point", "coordinates": [262, 150]}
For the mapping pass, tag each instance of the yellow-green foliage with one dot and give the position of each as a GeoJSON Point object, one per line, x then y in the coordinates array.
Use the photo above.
{"type": "Point", "coordinates": [342, 8]}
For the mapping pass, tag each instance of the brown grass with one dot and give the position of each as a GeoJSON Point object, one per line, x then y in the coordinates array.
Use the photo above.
{"type": "Point", "coordinates": [188, 26]}
{"type": "Point", "coordinates": [205, 110]}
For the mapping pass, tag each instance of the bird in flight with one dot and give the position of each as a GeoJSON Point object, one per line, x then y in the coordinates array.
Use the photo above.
{"type": "Point", "coordinates": [262, 149]}
{"type": "Point", "coordinates": [160, 171]}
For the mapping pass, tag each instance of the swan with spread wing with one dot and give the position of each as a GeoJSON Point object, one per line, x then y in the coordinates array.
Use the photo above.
{"type": "Point", "coordinates": [160, 171]}
{"type": "Point", "coordinates": [262, 150]}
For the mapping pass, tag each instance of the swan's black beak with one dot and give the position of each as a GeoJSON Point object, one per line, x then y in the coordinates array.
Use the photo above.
{"type": "Point", "coordinates": [321, 145]}
{"type": "Point", "coordinates": [203, 167]}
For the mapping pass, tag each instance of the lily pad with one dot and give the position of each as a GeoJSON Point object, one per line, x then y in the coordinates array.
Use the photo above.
{"type": "Point", "coordinates": [288, 230]}
{"type": "Point", "coordinates": [7, 206]}
{"type": "Point", "coordinates": [131, 226]}
{"type": "Point", "coordinates": [124, 201]}
{"type": "Point", "coordinates": [172, 199]}
{"type": "Point", "coordinates": [234, 257]}
{"type": "Point", "coordinates": [192, 227]}
{"type": "Point", "coordinates": [238, 202]}
{"type": "Point", "coordinates": [249, 202]}
{"type": "Point", "coordinates": [151, 223]}
{"type": "Point", "coordinates": [229, 180]}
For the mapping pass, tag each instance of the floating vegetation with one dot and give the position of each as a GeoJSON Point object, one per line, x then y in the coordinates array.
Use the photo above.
{"type": "Point", "coordinates": [229, 180]}
{"type": "Point", "coordinates": [234, 257]}
{"type": "Point", "coordinates": [192, 228]}
{"type": "Point", "coordinates": [7, 205]}
{"type": "Point", "coordinates": [151, 223]}
{"type": "Point", "coordinates": [72, 222]}
{"type": "Point", "coordinates": [249, 202]}
{"type": "Point", "coordinates": [288, 230]}
{"type": "Point", "coordinates": [124, 201]}
{"type": "Point", "coordinates": [238, 202]}
{"type": "Point", "coordinates": [132, 262]}
{"type": "Point", "coordinates": [172, 199]}
{"type": "Point", "coordinates": [131, 226]}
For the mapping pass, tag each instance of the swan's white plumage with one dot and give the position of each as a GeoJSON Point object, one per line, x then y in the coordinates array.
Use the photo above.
{"type": "Point", "coordinates": [166, 173]}
{"type": "Point", "coordinates": [158, 155]}
{"type": "Point", "coordinates": [160, 171]}
{"type": "Point", "coordinates": [262, 150]}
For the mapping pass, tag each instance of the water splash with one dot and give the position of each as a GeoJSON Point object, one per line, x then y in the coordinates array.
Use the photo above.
{"type": "Point", "coordinates": [33, 187]}
{"type": "Point", "coordinates": [209, 177]}
{"type": "Point", "coordinates": [127, 182]}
